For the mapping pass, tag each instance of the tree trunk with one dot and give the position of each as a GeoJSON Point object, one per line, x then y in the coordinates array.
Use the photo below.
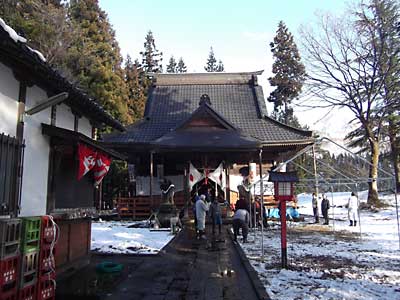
{"type": "Point", "coordinates": [373, 173]}
{"type": "Point", "coordinates": [394, 145]}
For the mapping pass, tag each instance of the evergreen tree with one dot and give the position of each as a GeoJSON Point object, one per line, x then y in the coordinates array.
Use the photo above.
{"type": "Point", "coordinates": [172, 65]}
{"type": "Point", "coordinates": [137, 92]}
{"type": "Point", "coordinates": [181, 68]}
{"type": "Point", "coordinates": [289, 74]}
{"type": "Point", "coordinates": [211, 64]}
{"type": "Point", "coordinates": [94, 58]}
{"type": "Point", "coordinates": [151, 57]}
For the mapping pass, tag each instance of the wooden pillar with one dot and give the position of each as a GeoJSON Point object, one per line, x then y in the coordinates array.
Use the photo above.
{"type": "Point", "coordinates": [227, 189]}
{"type": "Point", "coordinates": [186, 191]}
{"type": "Point", "coordinates": [262, 203]}
{"type": "Point", "coordinates": [151, 180]}
{"type": "Point", "coordinates": [283, 233]}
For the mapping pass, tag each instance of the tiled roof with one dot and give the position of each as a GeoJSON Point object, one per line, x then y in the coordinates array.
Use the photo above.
{"type": "Point", "coordinates": [241, 103]}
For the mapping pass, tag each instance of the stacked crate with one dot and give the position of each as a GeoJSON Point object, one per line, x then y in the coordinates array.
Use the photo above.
{"type": "Point", "coordinates": [30, 246]}
{"type": "Point", "coordinates": [10, 235]}
{"type": "Point", "coordinates": [46, 279]}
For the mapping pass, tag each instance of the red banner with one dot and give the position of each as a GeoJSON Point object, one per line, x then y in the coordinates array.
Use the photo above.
{"type": "Point", "coordinates": [87, 160]}
{"type": "Point", "coordinates": [101, 168]}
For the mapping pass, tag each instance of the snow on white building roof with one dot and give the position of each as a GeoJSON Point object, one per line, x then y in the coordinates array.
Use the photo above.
{"type": "Point", "coordinates": [13, 48]}
{"type": "Point", "coordinates": [17, 38]}
{"type": "Point", "coordinates": [11, 32]}
{"type": "Point", "coordinates": [38, 53]}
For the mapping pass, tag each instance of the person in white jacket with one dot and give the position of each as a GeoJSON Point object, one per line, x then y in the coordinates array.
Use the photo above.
{"type": "Point", "coordinates": [352, 207]}
{"type": "Point", "coordinates": [201, 210]}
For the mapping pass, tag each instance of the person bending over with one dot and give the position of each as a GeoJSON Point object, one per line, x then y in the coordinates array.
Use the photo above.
{"type": "Point", "coordinates": [241, 220]}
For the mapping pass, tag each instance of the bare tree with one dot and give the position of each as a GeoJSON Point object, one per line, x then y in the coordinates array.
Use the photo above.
{"type": "Point", "coordinates": [343, 67]}
{"type": "Point", "coordinates": [381, 19]}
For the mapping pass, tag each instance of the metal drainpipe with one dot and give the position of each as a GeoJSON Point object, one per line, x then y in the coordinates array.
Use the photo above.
{"type": "Point", "coordinates": [315, 176]}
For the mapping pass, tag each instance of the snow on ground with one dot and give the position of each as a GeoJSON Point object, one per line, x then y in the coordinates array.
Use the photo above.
{"type": "Point", "coordinates": [116, 237]}
{"type": "Point", "coordinates": [332, 262]}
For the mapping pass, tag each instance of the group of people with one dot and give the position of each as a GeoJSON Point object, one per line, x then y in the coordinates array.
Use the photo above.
{"type": "Point", "coordinates": [205, 205]}
{"type": "Point", "coordinates": [352, 208]}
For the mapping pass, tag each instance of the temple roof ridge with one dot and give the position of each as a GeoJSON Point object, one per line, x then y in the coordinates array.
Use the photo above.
{"type": "Point", "coordinates": [205, 78]}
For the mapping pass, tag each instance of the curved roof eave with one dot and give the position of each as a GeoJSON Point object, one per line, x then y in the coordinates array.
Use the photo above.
{"type": "Point", "coordinates": [20, 55]}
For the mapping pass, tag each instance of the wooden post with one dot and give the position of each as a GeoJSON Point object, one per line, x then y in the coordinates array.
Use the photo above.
{"type": "Point", "coordinates": [262, 204]}
{"type": "Point", "coordinates": [100, 191]}
{"type": "Point", "coordinates": [186, 191]}
{"type": "Point", "coordinates": [249, 196]}
{"type": "Point", "coordinates": [227, 185]}
{"type": "Point", "coordinates": [151, 179]}
{"type": "Point", "coordinates": [283, 232]}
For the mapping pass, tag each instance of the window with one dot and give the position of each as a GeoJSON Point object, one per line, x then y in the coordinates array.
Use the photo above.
{"type": "Point", "coordinates": [11, 151]}
{"type": "Point", "coordinates": [284, 188]}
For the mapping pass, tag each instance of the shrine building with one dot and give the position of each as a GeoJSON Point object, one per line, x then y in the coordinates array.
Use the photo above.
{"type": "Point", "coordinates": [195, 125]}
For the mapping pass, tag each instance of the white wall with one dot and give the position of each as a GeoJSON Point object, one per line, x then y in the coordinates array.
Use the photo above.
{"type": "Point", "coordinates": [36, 159]}
{"type": "Point", "coordinates": [65, 117]}
{"type": "Point", "coordinates": [143, 184]}
{"type": "Point", "coordinates": [9, 89]}
{"type": "Point", "coordinates": [85, 127]}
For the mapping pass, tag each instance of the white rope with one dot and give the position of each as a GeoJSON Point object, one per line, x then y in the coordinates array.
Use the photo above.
{"type": "Point", "coordinates": [56, 235]}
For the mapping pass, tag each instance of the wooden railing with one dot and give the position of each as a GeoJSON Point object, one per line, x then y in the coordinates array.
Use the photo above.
{"type": "Point", "coordinates": [140, 207]}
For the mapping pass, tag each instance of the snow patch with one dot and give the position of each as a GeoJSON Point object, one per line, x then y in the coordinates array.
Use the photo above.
{"type": "Point", "coordinates": [116, 237]}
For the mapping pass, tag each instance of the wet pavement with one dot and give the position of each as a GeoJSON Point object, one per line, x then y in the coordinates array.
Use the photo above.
{"type": "Point", "coordinates": [186, 269]}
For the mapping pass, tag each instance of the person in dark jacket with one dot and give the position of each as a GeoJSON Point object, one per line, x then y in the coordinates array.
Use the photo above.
{"type": "Point", "coordinates": [216, 215]}
{"type": "Point", "coordinates": [242, 204]}
{"type": "Point", "coordinates": [315, 207]}
{"type": "Point", "coordinates": [324, 208]}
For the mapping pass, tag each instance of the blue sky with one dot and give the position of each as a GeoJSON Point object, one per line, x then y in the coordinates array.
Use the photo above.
{"type": "Point", "coordinates": [239, 31]}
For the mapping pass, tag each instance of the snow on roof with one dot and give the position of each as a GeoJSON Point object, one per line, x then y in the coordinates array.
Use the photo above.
{"type": "Point", "coordinates": [17, 38]}
{"type": "Point", "coordinates": [11, 32]}
{"type": "Point", "coordinates": [38, 53]}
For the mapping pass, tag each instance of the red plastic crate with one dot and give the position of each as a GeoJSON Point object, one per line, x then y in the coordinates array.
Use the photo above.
{"type": "Point", "coordinates": [46, 287]}
{"type": "Point", "coordinates": [47, 259]}
{"type": "Point", "coordinates": [27, 293]}
{"type": "Point", "coordinates": [9, 271]}
{"type": "Point", "coordinates": [9, 295]}
{"type": "Point", "coordinates": [48, 232]}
